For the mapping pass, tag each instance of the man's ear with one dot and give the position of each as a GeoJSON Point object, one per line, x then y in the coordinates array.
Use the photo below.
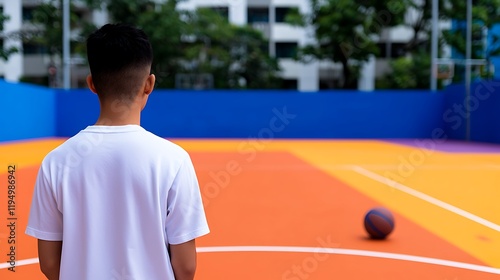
{"type": "Point", "coordinates": [150, 84]}
{"type": "Point", "coordinates": [90, 83]}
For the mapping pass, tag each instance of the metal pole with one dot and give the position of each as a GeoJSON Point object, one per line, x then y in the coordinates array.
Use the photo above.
{"type": "Point", "coordinates": [434, 43]}
{"type": "Point", "coordinates": [66, 46]}
{"type": "Point", "coordinates": [468, 55]}
{"type": "Point", "coordinates": [272, 21]}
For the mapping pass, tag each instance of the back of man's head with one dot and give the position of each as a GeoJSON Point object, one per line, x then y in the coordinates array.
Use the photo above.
{"type": "Point", "coordinates": [120, 58]}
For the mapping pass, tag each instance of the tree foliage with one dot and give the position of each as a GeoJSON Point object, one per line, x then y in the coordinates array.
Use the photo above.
{"type": "Point", "coordinates": [410, 72]}
{"type": "Point", "coordinates": [485, 14]}
{"type": "Point", "coordinates": [345, 31]}
{"type": "Point", "coordinates": [196, 42]}
{"type": "Point", "coordinates": [235, 55]}
{"type": "Point", "coordinates": [5, 52]}
{"type": "Point", "coordinates": [165, 30]}
{"type": "Point", "coordinates": [125, 11]}
{"type": "Point", "coordinates": [419, 20]}
{"type": "Point", "coordinates": [47, 28]}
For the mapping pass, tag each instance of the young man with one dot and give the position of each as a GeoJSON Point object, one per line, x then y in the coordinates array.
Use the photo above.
{"type": "Point", "coordinates": [115, 201]}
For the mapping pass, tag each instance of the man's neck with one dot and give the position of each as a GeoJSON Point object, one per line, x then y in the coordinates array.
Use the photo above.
{"type": "Point", "coordinates": [108, 122]}
{"type": "Point", "coordinates": [120, 114]}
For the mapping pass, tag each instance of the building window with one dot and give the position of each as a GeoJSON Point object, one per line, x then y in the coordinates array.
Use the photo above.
{"type": "Point", "coordinates": [28, 13]}
{"type": "Point", "coordinates": [31, 48]}
{"type": "Point", "coordinates": [281, 13]}
{"type": "Point", "coordinates": [397, 50]}
{"type": "Point", "coordinates": [286, 50]}
{"type": "Point", "coordinates": [258, 15]}
{"type": "Point", "coordinates": [222, 11]}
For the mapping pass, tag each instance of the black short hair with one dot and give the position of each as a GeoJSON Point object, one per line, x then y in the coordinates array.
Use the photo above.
{"type": "Point", "coordinates": [118, 56]}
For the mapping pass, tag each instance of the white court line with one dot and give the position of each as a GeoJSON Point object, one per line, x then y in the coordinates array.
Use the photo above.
{"type": "Point", "coordinates": [333, 251]}
{"type": "Point", "coordinates": [431, 167]}
{"type": "Point", "coordinates": [352, 166]}
{"type": "Point", "coordinates": [351, 252]}
{"type": "Point", "coordinates": [425, 197]}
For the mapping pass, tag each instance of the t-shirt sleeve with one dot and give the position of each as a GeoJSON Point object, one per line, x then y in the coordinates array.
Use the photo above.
{"type": "Point", "coordinates": [186, 218]}
{"type": "Point", "coordinates": [45, 220]}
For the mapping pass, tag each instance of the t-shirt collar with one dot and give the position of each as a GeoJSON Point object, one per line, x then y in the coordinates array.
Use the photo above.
{"type": "Point", "coordinates": [113, 128]}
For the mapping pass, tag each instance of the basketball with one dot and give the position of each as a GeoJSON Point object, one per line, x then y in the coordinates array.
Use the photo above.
{"type": "Point", "coordinates": [379, 223]}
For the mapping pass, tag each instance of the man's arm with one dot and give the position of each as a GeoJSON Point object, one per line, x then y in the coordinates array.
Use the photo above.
{"type": "Point", "coordinates": [183, 259]}
{"type": "Point", "coordinates": [49, 253]}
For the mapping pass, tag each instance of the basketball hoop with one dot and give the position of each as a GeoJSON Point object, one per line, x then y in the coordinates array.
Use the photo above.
{"type": "Point", "coordinates": [445, 71]}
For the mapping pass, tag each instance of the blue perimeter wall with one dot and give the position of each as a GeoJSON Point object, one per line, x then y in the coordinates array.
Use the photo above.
{"type": "Point", "coordinates": [35, 112]}
{"type": "Point", "coordinates": [270, 114]}
{"type": "Point", "coordinates": [26, 112]}
{"type": "Point", "coordinates": [484, 108]}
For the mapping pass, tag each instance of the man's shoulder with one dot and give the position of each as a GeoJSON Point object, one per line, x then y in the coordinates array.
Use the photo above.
{"type": "Point", "coordinates": [82, 144]}
{"type": "Point", "coordinates": [165, 145]}
{"type": "Point", "coordinates": [60, 151]}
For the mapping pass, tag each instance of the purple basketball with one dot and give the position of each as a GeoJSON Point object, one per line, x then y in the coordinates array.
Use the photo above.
{"type": "Point", "coordinates": [379, 223]}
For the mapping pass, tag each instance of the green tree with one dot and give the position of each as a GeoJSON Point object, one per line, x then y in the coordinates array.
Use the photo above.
{"type": "Point", "coordinates": [195, 42]}
{"type": "Point", "coordinates": [410, 72]}
{"type": "Point", "coordinates": [344, 31]}
{"type": "Point", "coordinates": [126, 11]}
{"type": "Point", "coordinates": [5, 52]}
{"type": "Point", "coordinates": [165, 30]}
{"type": "Point", "coordinates": [235, 55]}
{"type": "Point", "coordinates": [485, 14]}
{"type": "Point", "coordinates": [413, 71]}
{"type": "Point", "coordinates": [163, 24]}
{"type": "Point", "coordinates": [47, 29]}
{"type": "Point", "coordinates": [420, 22]}
{"type": "Point", "coordinates": [253, 64]}
{"type": "Point", "coordinates": [417, 63]}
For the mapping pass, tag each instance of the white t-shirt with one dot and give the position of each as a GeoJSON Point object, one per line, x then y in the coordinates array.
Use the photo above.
{"type": "Point", "coordinates": [117, 196]}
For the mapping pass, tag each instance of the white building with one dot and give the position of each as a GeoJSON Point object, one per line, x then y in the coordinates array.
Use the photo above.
{"type": "Point", "coordinates": [268, 16]}
{"type": "Point", "coordinates": [265, 15]}
{"type": "Point", "coordinates": [32, 61]}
